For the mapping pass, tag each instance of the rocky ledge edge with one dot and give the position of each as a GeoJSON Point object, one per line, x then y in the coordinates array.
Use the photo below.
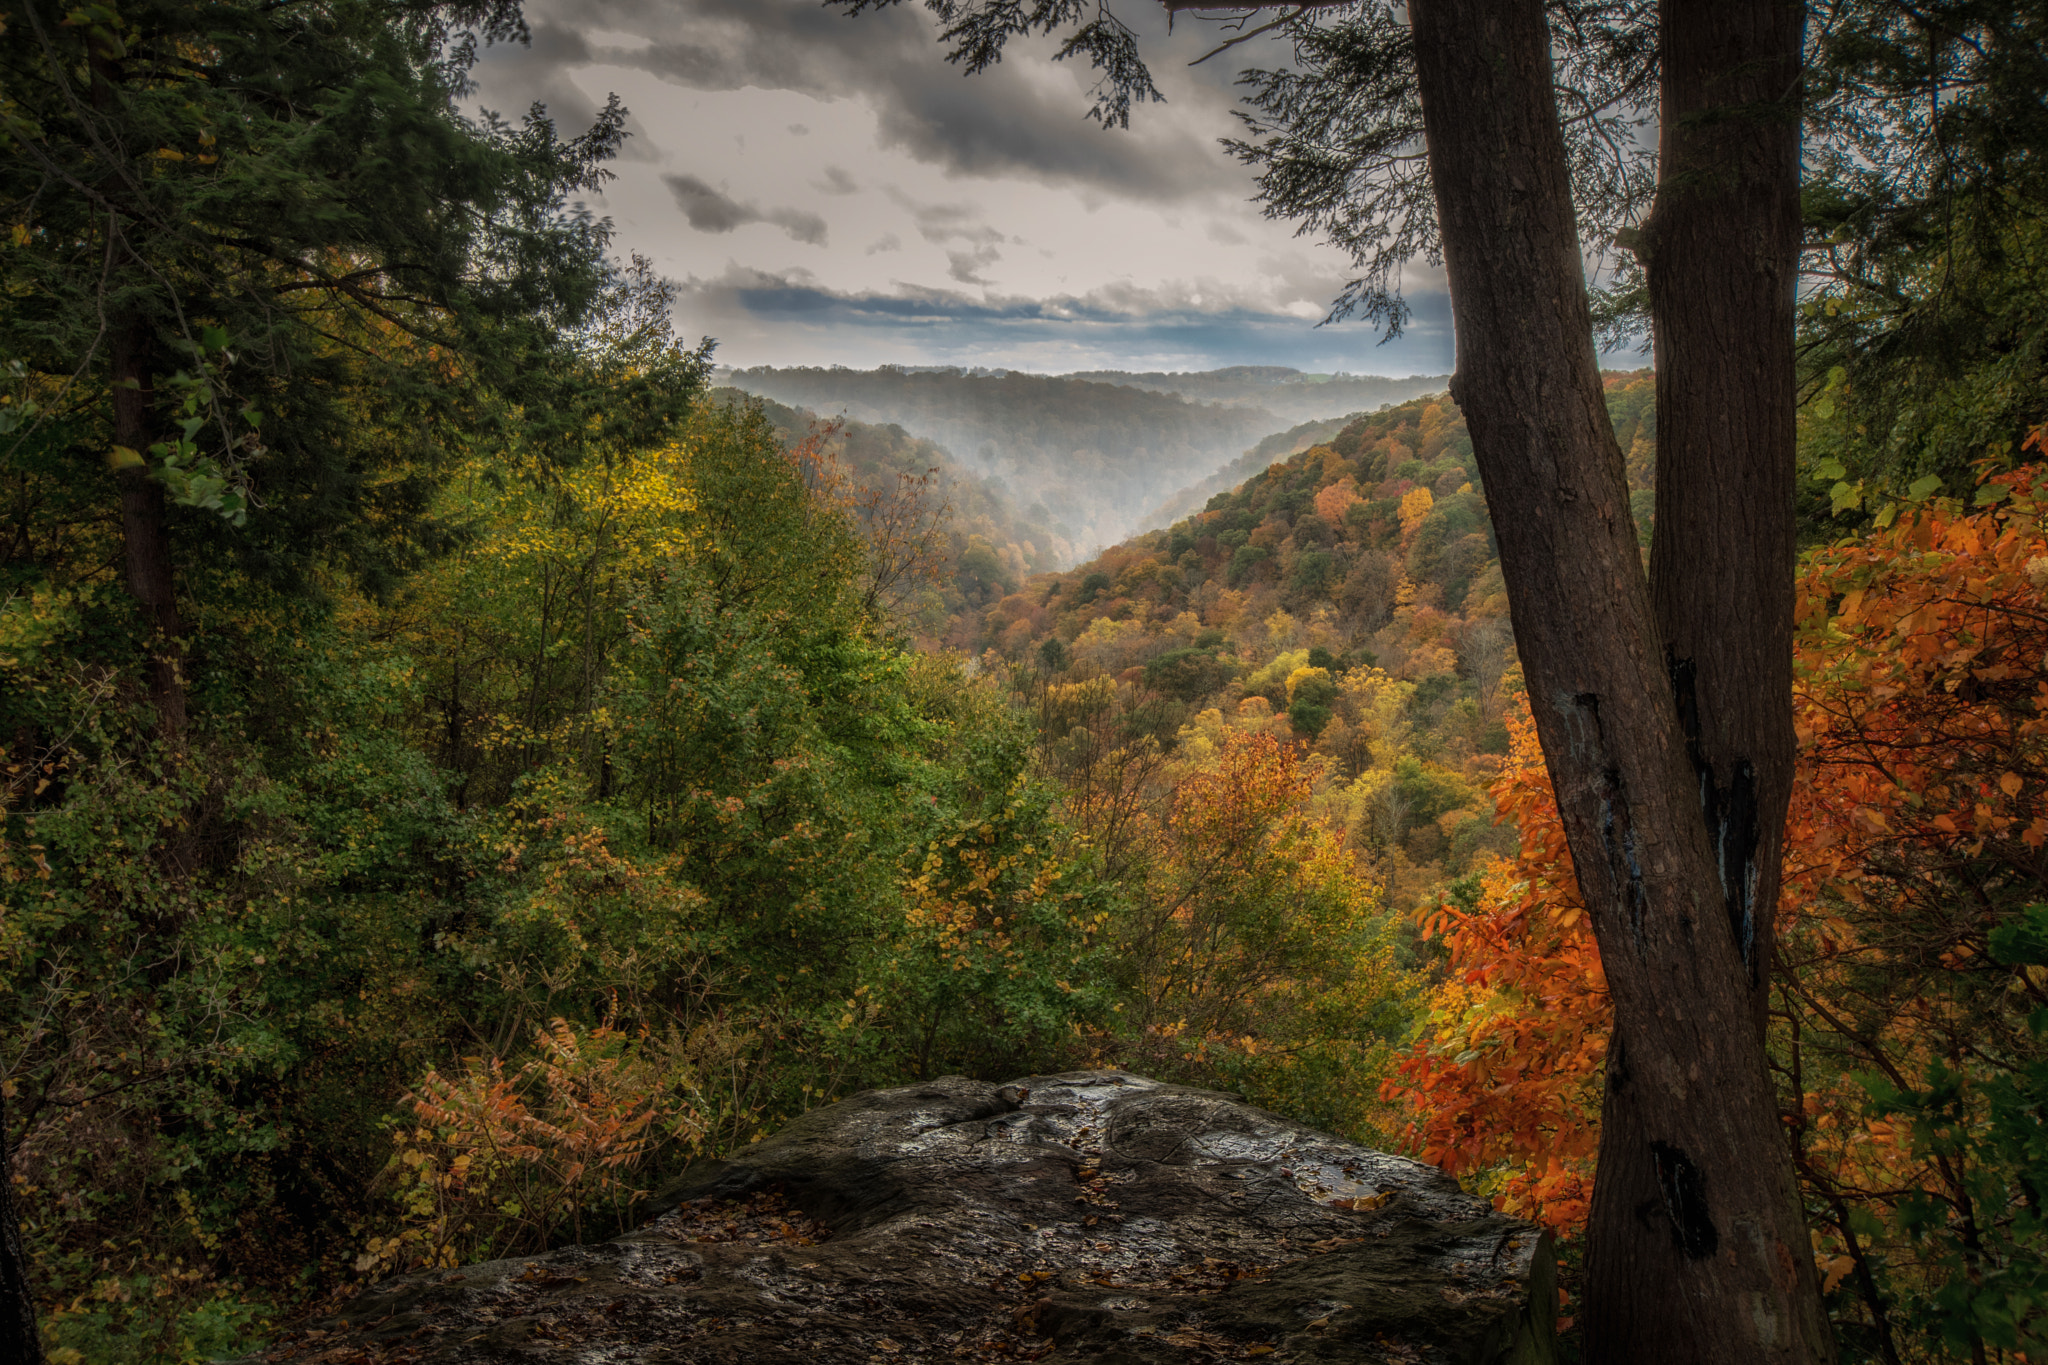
{"type": "Point", "coordinates": [1085, 1216]}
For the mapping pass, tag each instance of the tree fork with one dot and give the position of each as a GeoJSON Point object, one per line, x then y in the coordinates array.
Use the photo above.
{"type": "Point", "coordinates": [1732, 1278]}
{"type": "Point", "coordinates": [1721, 251]}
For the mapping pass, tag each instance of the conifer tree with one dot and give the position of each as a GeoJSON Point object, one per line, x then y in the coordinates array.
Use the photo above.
{"type": "Point", "coordinates": [260, 260]}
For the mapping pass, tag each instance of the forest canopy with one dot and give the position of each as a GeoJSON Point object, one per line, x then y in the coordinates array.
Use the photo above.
{"type": "Point", "coordinates": [458, 769]}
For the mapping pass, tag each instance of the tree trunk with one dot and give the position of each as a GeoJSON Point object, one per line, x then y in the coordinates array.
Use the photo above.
{"type": "Point", "coordinates": [19, 1339]}
{"type": "Point", "coordinates": [1721, 250]}
{"type": "Point", "coordinates": [145, 537]}
{"type": "Point", "coordinates": [1722, 255]}
{"type": "Point", "coordinates": [1732, 1279]}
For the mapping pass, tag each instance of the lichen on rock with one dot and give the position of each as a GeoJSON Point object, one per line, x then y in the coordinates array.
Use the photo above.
{"type": "Point", "coordinates": [1086, 1216]}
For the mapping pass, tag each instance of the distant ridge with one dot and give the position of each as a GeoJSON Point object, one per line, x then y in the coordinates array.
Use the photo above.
{"type": "Point", "coordinates": [1088, 454]}
{"type": "Point", "coordinates": [1290, 394]}
{"type": "Point", "coordinates": [1268, 452]}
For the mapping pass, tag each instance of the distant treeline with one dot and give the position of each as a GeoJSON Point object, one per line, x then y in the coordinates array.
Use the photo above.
{"type": "Point", "coordinates": [1253, 462]}
{"type": "Point", "coordinates": [1094, 456]}
{"type": "Point", "coordinates": [1290, 394]}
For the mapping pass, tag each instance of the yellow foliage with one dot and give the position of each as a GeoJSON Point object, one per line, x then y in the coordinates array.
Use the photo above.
{"type": "Point", "coordinates": [1301, 675]}
{"type": "Point", "coordinates": [1415, 506]}
{"type": "Point", "coordinates": [1276, 669]}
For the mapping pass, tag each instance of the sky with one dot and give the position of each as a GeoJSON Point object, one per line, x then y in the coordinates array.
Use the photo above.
{"type": "Point", "coordinates": [827, 190]}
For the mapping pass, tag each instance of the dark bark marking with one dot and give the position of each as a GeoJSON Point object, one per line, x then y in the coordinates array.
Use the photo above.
{"type": "Point", "coordinates": [1685, 1199]}
{"type": "Point", "coordinates": [1617, 824]}
{"type": "Point", "coordinates": [1624, 868]}
{"type": "Point", "coordinates": [1731, 815]}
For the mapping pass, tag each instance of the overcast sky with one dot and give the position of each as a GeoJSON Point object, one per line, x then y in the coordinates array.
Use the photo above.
{"type": "Point", "coordinates": [830, 191]}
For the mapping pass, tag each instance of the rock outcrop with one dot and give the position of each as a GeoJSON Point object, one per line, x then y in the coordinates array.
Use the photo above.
{"type": "Point", "coordinates": [1089, 1216]}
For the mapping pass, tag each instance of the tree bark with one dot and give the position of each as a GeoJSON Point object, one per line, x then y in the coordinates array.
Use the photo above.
{"type": "Point", "coordinates": [145, 537]}
{"type": "Point", "coordinates": [1721, 250]}
{"type": "Point", "coordinates": [1731, 1276]}
{"type": "Point", "coordinates": [19, 1338]}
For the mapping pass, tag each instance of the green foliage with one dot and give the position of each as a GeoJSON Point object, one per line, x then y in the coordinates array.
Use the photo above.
{"type": "Point", "coordinates": [299, 403]}
{"type": "Point", "coordinates": [1925, 346]}
{"type": "Point", "coordinates": [633, 755]}
{"type": "Point", "coordinates": [1981, 1272]}
{"type": "Point", "coordinates": [1188, 674]}
{"type": "Point", "coordinates": [154, 1320]}
{"type": "Point", "coordinates": [1245, 563]}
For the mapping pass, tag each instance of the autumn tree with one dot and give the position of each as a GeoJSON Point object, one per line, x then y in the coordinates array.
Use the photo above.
{"type": "Point", "coordinates": [1663, 701]}
{"type": "Point", "coordinates": [261, 280]}
{"type": "Point", "coordinates": [1909, 1035]}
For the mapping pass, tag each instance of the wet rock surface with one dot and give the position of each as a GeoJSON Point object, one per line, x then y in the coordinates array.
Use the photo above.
{"type": "Point", "coordinates": [1088, 1216]}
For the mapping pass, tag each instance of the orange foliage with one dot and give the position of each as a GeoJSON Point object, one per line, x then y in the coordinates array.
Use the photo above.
{"type": "Point", "coordinates": [1922, 714]}
{"type": "Point", "coordinates": [1509, 1072]}
{"type": "Point", "coordinates": [1917, 828]}
{"type": "Point", "coordinates": [506, 1162]}
{"type": "Point", "coordinates": [1334, 499]}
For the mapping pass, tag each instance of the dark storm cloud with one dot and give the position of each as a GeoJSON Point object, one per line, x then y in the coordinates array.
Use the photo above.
{"type": "Point", "coordinates": [1009, 121]}
{"type": "Point", "coordinates": [1132, 327]}
{"type": "Point", "coordinates": [711, 210]}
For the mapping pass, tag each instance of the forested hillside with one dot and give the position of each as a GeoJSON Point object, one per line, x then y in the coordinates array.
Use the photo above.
{"type": "Point", "coordinates": [459, 771]}
{"type": "Point", "coordinates": [1346, 605]}
{"type": "Point", "coordinates": [963, 530]}
{"type": "Point", "coordinates": [1347, 599]}
{"type": "Point", "coordinates": [1088, 459]}
{"type": "Point", "coordinates": [1254, 461]}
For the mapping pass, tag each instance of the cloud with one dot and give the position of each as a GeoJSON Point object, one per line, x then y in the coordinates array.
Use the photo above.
{"type": "Point", "coordinates": [888, 241]}
{"type": "Point", "coordinates": [710, 210]}
{"type": "Point", "coordinates": [835, 181]}
{"type": "Point", "coordinates": [968, 265]}
{"type": "Point", "coordinates": [942, 223]}
{"type": "Point", "coordinates": [1025, 117]}
{"type": "Point", "coordinates": [788, 318]}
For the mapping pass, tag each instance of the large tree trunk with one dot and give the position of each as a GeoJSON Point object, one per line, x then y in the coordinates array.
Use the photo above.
{"type": "Point", "coordinates": [1720, 1226]}
{"type": "Point", "coordinates": [145, 536]}
{"type": "Point", "coordinates": [1722, 253]}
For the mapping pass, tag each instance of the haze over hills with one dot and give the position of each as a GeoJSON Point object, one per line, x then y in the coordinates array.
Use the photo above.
{"type": "Point", "coordinates": [1344, 595]}
{"type": "Point", "coordinates": [991, 545]}
{"type": "Point", "coordinates": [1088, 456]}
{"type": "Point", "coordinates": [1290, 394]}
{"type": "Point", "coordinates": [1278, 446]}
